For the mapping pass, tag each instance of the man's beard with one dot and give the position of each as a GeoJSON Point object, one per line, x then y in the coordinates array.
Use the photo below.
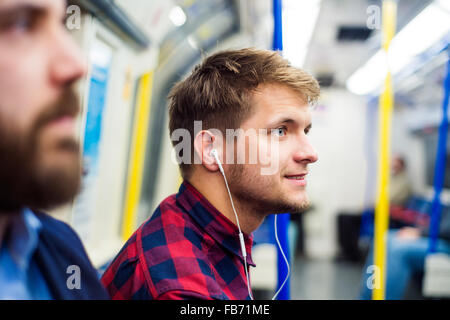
{"type": "Point", "coordinates": [258, 193]}
{"type": "Point", "coordinates": [24, 182]}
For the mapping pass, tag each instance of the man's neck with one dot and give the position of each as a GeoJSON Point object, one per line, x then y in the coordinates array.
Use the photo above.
{"type": "Point", "coordinates": [216, 193]}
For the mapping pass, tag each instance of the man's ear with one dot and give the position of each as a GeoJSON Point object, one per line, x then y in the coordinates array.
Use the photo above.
{"type": "Point", "coordinates": [204, 142]}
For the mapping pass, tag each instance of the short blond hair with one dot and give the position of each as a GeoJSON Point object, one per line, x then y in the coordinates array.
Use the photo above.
{"type": "Point", "coordinates": [218, 92]}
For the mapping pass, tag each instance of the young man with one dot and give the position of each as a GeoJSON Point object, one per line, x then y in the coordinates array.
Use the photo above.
{"type": "Point", "coordinates": [190, 247]}
{"type": "Point", "coordinates": [40, 257]}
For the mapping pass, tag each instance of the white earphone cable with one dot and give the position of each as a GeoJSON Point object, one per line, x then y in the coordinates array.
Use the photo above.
{"type": "Point", "coordinates": [241, 236]}
{"type": "Point", "coordinates": [284, 256]}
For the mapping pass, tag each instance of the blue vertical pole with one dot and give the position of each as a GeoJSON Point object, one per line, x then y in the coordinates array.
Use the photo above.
{"type": "Point", "coordinates": [282, 219]}
{"type": "Point", "coordinates": [278, 28]}
{"type": "Point", "coordinates": [439, 167]}
{"type": "Point", "coordinates": [282, 231]}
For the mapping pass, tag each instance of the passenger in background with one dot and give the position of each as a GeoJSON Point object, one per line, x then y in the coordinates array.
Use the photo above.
{"type": "Point", "coordinates": [190, 248]}
{"type": "Point", "coordinates": [40, 257]}
{"type": "Point", "coordinates": [407, 246]}
{"type": "Point", "coordinates": [351, 227]}
{"type": "Point", "coordinates": [406, 251]}
{"type": "Point", "coordinates": [400, 186]}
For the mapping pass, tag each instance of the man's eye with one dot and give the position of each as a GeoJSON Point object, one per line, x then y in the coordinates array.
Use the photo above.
{"type": "Point", "coordinates": [23, 23]}
{"type": "Point", "coordinates": [19, 22]}
{"type": "Point", "coordinates": [280, 132]}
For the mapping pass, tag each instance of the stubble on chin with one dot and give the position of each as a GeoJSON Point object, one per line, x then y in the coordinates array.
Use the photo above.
{"type": "Point", "coordinates": [26, 179]}
{"type": "Point", "coordinates": [262, 193]}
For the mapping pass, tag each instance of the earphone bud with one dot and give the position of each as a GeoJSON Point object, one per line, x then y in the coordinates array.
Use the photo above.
{"type": "Point", "coordinates": [214, 154]}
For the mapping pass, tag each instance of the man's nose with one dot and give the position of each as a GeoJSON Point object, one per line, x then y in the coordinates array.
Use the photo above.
{"type": "Point", "coordinates": [68, 63]}
{"type": "Point", "coordinates": [305, 152]}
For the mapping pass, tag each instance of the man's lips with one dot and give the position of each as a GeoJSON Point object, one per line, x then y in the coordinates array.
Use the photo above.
{"type": "Point", "coordinates": [296, 176]}
{"type": "Point", "coordinates": [297, 179]}
{"type": "Point", "coordinates": [63, 125]}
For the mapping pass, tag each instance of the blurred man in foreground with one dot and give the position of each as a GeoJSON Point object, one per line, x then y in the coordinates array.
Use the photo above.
{"type": "Point", "coordinates": [40, 257]}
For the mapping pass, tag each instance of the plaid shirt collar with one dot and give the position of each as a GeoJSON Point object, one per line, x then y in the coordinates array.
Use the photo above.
{"type": "Point", "coordinates": [219, 227]}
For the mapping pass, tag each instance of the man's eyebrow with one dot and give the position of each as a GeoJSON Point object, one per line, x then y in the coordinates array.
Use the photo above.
{"type": "Point", "coordinates": [11, 11]}
{"type": "Point", "coordinates": [281, 121]}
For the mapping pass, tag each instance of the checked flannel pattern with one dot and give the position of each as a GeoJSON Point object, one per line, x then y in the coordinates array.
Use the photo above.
{"type": "Point", "coordinates": [186, 250]}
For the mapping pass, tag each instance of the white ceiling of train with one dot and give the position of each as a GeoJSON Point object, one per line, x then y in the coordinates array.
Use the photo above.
{"type": "Point", "coordinates": [325, 55]}
{"type": "Point", "coordinates": [159, 17]}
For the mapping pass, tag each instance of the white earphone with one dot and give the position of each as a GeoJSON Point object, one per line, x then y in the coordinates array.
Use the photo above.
{"type": "Point", "coordinates": [214, 154]}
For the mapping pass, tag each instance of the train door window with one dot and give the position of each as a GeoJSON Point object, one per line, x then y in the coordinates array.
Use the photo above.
{"type": "Point", "coordinates": [100, 59]}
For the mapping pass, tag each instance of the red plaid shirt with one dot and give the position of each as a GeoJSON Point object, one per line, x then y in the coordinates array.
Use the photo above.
{"type": "Point", "coordinates": [186, 250]}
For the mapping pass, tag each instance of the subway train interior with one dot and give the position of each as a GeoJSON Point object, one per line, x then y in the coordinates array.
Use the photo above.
{"type": "Point", "coordinates": [381, 183]}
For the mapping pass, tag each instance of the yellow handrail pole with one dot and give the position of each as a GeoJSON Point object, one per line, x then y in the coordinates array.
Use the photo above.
{"type": "Point", "coordinates": [137, 152]}
{"type": "Point", "coordinates": [386, 102]}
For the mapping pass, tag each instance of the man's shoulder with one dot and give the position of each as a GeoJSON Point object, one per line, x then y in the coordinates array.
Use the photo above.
{"type": "Point", "coordinates": [167, 224]}
{"type": "Point", "coordinates": [57, 229]}
{"type": "Point", "coordinates": [57, 237]}
{"type": "Point", "coordinates": [166, 253]}
{"type": "Point", "coordinates": [150, 231]}
{"type": "Point", "coordinates": [60, 247]}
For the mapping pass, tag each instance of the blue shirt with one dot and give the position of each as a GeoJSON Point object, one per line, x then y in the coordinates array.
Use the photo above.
{"type": "Point", "coordinates": [20, 277]}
